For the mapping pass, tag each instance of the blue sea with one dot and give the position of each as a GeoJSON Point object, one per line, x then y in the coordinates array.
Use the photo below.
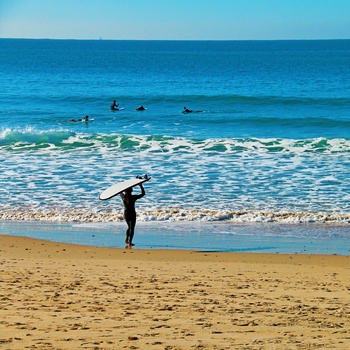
{"type": "Point", "coordinates": [262, 164]}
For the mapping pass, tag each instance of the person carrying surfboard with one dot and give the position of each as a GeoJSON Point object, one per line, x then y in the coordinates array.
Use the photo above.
{"type": "Point", "coordinates": [129, 212]}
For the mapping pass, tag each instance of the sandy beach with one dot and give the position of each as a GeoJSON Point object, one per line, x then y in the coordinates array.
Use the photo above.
{"type": "Point", "coordinates": [61, 296]}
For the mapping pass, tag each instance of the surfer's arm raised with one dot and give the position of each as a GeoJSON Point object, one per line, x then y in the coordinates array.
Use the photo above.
{"type": "Point", "coordinates": [142, 192]}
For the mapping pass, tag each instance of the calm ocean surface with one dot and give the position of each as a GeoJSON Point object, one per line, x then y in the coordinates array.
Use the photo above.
{"type": "Point", "coordinates": [270, 148]}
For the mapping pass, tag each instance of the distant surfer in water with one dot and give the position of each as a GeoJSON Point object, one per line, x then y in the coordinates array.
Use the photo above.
{"type": "Point", "coordinates": [114, 106]}
{"type": "Point", "coordinates": [85, 119]}
{"type": "Point", "coordinates": [141, 108]}
{"type": "Point", "coordinates": [129, 200]}
{"type": "Point", "coordinates": [186, 110]}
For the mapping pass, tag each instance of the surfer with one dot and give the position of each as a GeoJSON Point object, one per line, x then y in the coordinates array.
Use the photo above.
{"type": "Point", "coordinates": [186, 110]}
{"type": "Point", "coordinates": [129, 200]}
{"type": "Point", "coordinates": [141, 108]}
{"type": "Point", "coordinates": [85, 119]}
{"type": "Point", "coordinates": [114, 106]}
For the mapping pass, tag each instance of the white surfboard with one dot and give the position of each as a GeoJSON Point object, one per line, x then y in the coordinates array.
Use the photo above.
{"type": "Point", "coordinates": [121, 186]}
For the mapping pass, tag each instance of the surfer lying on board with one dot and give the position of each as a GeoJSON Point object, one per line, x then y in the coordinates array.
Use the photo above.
{"type": "Point", "coordinates": [141, 108]}
{"type": "Point", "coordinates": [85, 119]}
{"type": "Point", "coordinates": [186, 110]}
{"type": "Point", "coordinates": [114, 106]}
{"type": "Point", "coordinates": [129, 200]}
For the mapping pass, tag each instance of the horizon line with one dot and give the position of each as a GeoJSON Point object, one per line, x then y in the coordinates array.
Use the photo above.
{"type": "Point", "coordinates": [102, 39]}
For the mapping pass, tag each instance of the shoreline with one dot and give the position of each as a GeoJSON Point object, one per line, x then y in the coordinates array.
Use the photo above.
{"type": "Point", "coordinates": [24, 242]}
{"type": "Point", "coordinates": [221, 236]}
{"type": "Point", "coordinates": [66, 296]}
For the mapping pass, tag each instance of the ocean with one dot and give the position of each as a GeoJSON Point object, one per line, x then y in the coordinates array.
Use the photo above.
{"type": "Point", "coordinates": [265, 152]}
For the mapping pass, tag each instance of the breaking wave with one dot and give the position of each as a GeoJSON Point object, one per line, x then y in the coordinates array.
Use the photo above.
{"type": "Point", "coordinates": [63, 140]}
{"type": "Point", "coordinates": [181, 215]}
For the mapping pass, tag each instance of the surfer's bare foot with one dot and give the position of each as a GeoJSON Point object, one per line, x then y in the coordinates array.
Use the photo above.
{"type": "Point", "coordinates": [126, 241]}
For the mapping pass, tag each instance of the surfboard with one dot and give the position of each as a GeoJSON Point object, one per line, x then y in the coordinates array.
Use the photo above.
{"type": "Point", "coordinates": [114, 190]}
{"type": "Point", "coordinates": [118, 109]}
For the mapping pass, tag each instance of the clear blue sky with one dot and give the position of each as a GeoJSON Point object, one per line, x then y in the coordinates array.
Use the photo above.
{"type": "Point", "coordinates": [175, 19]}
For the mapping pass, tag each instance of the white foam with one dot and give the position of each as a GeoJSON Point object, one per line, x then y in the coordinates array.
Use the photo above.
{"type": "Point", "coordinates": [179, 215]}
{"type": "Point", "coordinates": [229, 180]}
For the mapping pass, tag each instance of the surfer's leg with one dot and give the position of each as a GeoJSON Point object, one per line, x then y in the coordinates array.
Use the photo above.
{"type": "Point", "coordinates": [128, 222]}
{"type": "Point", "coordinates": [127, 237]}
{"type": "Point", "coordinates": [128, 231]}
{"type": "Point", "coordinates": [131, 231]}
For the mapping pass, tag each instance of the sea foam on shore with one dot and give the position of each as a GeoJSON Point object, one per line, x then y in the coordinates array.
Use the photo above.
{"type": "Point", "coordinates": [178, 215]}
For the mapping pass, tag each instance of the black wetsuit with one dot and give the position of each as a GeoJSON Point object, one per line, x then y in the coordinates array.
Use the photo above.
{"type": "Point", "coordinates": [130, 213]}
{"type": "Point", "coordinates": [114, 106]}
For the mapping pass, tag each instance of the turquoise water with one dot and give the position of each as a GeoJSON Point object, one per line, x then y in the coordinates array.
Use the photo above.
{"type": "Point", "coordinates": [270, 145]}
{"type": "Point", "coordinates": [273, 238]}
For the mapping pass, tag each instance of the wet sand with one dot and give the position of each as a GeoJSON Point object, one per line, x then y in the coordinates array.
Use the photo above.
{"type": "Point", "coordinates": [62, 296]}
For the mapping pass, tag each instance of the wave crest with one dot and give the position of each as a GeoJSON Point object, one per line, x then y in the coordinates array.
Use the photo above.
{"type": "Point", "coordinates": [28, 138]}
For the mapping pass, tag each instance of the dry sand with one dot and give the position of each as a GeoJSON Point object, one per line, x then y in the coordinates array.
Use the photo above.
{"type": "Point", "coordinates": [60, 296]}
